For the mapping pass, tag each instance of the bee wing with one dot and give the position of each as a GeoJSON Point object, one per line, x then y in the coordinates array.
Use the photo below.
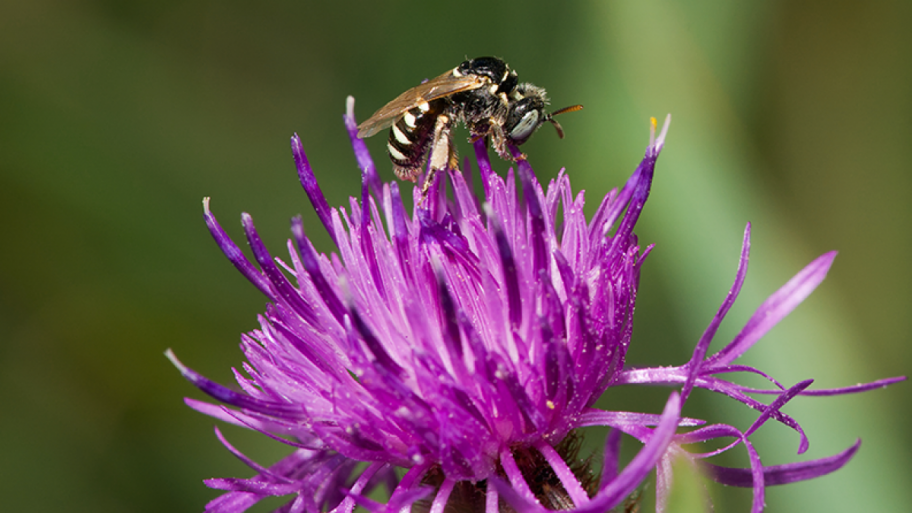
{"type": "Point", "coordinates": [444, 85]}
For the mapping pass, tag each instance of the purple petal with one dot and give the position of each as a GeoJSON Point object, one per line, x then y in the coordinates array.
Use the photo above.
{"type": "Point", "coordinates": [862, 387]}
{"type": "Point", "coordinates": [451, 335]}
{"type": "Point", "coordinates": [309, 182]}
{"type": "Point", "coordinates": [710, 433]}
{"type": "Point", "coordinates": [520, 488]}
{"type": "Point", "coordinates": [571, 484]}
{"type": "Point", "coordinates": [347, 505]}
{"type": "Point", "coordinates": [700, 351]}
{"type": "Point", "coordinates": [611, 457]}
{"type": "Point", "coordinates": [637, 200]}
{"type": "Point", "coordinates": [614, 491]}
{"type": "Point", "coordinates": [618, 418]}
{"type": "Point", "coordinates": [492, 502]}
{"type": "Point", "coordinates": [677, 375]}
{"type": "Point", "coordinates": [234, 254]}
{"type": "Point", "coordinates": [508, 266]}
{"type": "Point", "coordinates": [404, 500]}
{"type": "Point", "coordinates": [664, 480]}
{"type": "Point", "coordinates": [783, 474]}
{"type": "Point", "coordinates": [530, 194]}
{"type": "Point", "coordinates": [247, 461]}
{"type": "Point", "coordinates": [285, 290]}
{"type": "Point", "coordinates": [774, 309]}
{"type": "Point", "coordinates": [484, 163]}
{"type": "Point", "coordinates": [232, 502]}
{"type": "Point", "coordinates": [443, 493]}
{"type": "Point", "coordinates": [626, 482]}
{"type": "Point", "coordinates": [311, 264]}
{"type": "Point", "coordinates": [774, 408]}
{"type": "Point", "coordinates": [365, 162]}
{"type": "Point", "coordinates": [231, 397]}
{"type": "Point", "coordinates": [745, 368]}
{"type": "Point", "coordinates": [756, 477]}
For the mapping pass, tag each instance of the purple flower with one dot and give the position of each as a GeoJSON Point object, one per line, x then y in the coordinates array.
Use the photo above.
{"type": "Point", "coordinates": [466, 344]}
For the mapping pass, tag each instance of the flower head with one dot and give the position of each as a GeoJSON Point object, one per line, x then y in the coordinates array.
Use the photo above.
{"type": "Point", "coordinates": [464, 343]}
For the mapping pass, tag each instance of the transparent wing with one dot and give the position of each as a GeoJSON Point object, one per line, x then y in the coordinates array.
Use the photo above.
{"type": "Point", "coordinates": [444, 85]}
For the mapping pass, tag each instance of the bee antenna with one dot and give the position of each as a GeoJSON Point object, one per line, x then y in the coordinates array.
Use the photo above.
{"type": "Point", "coordinates": [560, 130]}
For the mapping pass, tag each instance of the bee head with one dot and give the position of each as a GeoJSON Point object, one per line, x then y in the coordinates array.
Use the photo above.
{"type": "Point", "coordinates": [527, 113]}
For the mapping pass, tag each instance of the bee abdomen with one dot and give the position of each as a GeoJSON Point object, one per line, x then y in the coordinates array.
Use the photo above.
{"type": "Point", "coordinates": [409, 139]}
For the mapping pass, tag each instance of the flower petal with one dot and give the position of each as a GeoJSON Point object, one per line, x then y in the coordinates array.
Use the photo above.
{"type": "Point", "coordinates": [774, 309]}
{"type": "Point", "coordinates": [783, 474]}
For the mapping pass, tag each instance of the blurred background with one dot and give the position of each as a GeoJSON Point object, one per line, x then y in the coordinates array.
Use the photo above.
{"type": "Point", "coordinates": [117, 117]}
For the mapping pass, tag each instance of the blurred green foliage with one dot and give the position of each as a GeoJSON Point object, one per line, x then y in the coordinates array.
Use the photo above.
{"type": "Point", "coordinates": [117, 117]}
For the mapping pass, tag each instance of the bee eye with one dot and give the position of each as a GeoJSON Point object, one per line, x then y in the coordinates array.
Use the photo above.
{"type": "Point", "coordinates": [525, 127]}
{"type": "Point", "coordinates": [524, 119]}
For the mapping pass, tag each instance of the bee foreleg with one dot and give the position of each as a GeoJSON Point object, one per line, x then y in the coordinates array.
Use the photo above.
{"type": "Point", "coordinates": [499, 143]}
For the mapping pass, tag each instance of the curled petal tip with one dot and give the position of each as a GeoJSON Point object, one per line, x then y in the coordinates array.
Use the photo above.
{"type": "Point", "coordinates": [660, 140]}
{"type": "Point", "coordinates": [349, 116]}
{"type": "Point", "coordinates": [657, 142]}
{"type": "Point", "coordinates": [184, 370]}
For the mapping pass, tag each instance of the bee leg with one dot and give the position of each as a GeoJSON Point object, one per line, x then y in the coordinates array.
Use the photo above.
{"type": "Point", "coordinates": [499, 142]}
{"type": "Point", "coordinates": [453, 164]}
{"type": "Point", "coordinates": [426, 186]}
{"type": "Point", "coordinates": [478, 131]}
{"type": "Point", "coordinates": [443, 153]}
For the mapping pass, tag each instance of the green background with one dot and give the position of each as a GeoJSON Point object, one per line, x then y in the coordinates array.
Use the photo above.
{"type": "Point", "coordinates": [116, 118]}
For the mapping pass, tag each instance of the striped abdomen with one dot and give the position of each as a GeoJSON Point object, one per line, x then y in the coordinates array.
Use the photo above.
{"type": "Point", "coordinates": [410, 138]}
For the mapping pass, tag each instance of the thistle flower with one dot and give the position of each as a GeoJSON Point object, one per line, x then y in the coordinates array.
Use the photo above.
{"type": "Point", "coordinates": [451, 355]}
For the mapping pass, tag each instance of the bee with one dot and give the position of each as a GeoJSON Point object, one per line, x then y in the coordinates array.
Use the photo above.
{"type": "Point", "coordinates": [483, 93]}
